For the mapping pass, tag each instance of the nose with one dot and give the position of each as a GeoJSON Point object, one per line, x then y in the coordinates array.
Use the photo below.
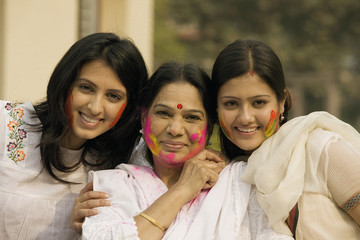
{"type": "Point", "coordinates": [175, 127]}
{"type": "Point", "coordinates": [245, 115]}
{"type": "Point", "coordinates": [96, 105]}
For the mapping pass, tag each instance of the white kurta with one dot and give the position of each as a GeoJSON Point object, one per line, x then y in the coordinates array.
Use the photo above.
{"type": "Point", "coordinates": [313, 160]}
{"type": "Point", "coordinates": [228, 211]}
{"type": "Point", "coordinates": [32, 204]}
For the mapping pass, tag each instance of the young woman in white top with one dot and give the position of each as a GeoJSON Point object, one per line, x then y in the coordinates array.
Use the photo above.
{"type": "Point", "coordinates": [87, 121]}
{"type": "Point", "coordinates": [306, 170]}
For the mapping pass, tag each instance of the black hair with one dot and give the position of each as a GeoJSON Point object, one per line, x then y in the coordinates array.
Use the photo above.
{"type": "Point", "coordinates": [114, 146]}
{"type": "Point", "coordinates": [172, 72]}
{"type": "Point", "coordinates": [237, 59]}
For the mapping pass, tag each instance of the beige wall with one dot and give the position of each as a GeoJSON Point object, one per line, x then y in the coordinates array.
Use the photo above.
{"type": "Point", "coordinates": [35, 34]}
{"type": "Point", "coordinates": [130, 18]}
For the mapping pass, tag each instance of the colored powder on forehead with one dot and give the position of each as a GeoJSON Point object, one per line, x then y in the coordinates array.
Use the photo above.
{"type": "Point", "coordinates": [270, 127]}
{"type": "Point", "coordinates": [118, 116]}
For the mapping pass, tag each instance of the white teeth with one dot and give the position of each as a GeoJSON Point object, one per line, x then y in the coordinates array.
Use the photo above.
{"type": "Point", "coordinates": [247, 130]}
{"type": "Point", "coordinates": [88, 119]}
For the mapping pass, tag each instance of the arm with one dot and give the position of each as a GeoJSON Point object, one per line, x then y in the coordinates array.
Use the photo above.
{"type": "Point", "coordinates": [198, 173]}
{"type": "Point", "coordinates": [344, 177]}
{"type": "Point", "coordinates": [84, 206]}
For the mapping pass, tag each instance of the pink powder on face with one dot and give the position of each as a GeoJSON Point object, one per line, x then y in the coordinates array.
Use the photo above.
{"type": "Point", "coordinates": [118, 116]}
{"type": "Point", "coordinates": [150, 139]}
{"type": "Point", "coordinates": [198, 139]}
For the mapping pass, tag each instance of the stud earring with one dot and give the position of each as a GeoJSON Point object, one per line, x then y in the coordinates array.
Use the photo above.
{"type": "Point", "coordinates": [282, 117]}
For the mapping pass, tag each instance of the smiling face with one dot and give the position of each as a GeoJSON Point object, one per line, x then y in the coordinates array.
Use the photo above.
{"type": "Point", "coordinates": [95, 104]}
{"type": "Point", "coordinates": [175, 124]}
{"type": "Point", "coordinates": [248, 111]}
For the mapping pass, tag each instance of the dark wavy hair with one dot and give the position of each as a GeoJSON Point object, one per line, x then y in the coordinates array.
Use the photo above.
{"type": "Point", "coordinates": [114, 146]}
{"type": "Point", "coordinates": [173, 72]}
{"type": "Point", "coordinates": [237, 59]}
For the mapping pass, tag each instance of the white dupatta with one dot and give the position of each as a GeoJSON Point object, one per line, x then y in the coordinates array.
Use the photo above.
{"type": "Point", "coordinates": [277, 167]}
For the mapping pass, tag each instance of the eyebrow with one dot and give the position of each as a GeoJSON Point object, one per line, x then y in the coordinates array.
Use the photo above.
{"type": "Point", "coordinates": [257, 96]}
{"type": "Point", "coordinates": [119, 91]}
{"type": "Point", "coordinates": [186, 111]}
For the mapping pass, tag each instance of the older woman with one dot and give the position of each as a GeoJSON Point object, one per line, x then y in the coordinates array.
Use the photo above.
{"type": "Point", "coordinates": [183, 195]}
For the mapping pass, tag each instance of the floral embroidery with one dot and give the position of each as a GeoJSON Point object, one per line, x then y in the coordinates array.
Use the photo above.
{"type": "Point", "coordinates": [17, 134]}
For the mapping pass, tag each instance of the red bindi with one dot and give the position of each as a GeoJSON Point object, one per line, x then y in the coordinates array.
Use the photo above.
{"type": "Point", "coordinates": [179, 106]}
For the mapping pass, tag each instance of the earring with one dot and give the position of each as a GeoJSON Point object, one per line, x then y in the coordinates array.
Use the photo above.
{"type": "Point", "coordinates": [282, 117]}
{"type": "Point", "coordinates": [141, 131]}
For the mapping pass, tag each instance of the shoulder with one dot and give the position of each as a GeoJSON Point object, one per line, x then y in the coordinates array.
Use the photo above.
{"type": "Point", "coordinates": [123, 173]}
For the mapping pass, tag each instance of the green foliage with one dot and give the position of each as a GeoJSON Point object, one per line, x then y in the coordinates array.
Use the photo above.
{"type": "Point", "coordinates": [311, 37]}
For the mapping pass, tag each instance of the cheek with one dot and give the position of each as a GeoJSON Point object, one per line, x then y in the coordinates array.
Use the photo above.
{"type": "Point", "coordinates": [118, 115]}
{"type": "Point", "coordinates": [150, 138]}
{"type": "Point", "coordinates": [225, 120]}
{"type": "Point", "coordinates": [272, 123]}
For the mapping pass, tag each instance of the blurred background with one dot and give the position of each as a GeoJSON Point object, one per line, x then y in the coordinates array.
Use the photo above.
{"type": "Point", "coordinates": [318, 41]}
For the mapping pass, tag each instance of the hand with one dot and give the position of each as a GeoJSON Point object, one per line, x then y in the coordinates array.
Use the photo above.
{"type": "Point", "coordinates": [84, 204]}
{"type": "Point", "coordinates": [200, 172]}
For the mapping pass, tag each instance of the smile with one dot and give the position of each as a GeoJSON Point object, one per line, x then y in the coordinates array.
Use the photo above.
{"type": "Point", "coordinates": [87, 119]}
{"type": "Point", "coordinates": [172, 145]}
{"type": "Point", "coordinates": [246, 130]}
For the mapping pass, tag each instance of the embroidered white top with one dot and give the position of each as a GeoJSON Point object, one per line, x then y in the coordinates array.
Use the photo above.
{"type": "Point", "coordinates": [32, 204]}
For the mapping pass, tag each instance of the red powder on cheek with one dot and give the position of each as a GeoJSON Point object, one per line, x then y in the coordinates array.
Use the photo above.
{"type": "Point", "coordinates": [68, 108]}
{"type": "Point", "coordinates": [118, 116]}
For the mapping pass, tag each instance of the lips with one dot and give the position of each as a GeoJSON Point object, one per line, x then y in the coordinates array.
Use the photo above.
{"type": "Point", "coordinates": [89, 121]}
{"type": "Point", "coordinates": [247, 130]}
{"type": "Point", "coordinates": [172, 145]}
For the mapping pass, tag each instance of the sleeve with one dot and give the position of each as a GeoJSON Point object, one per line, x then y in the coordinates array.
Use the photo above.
{"type": "Point", "coordinates": [259, 224]}
{"type": "Point", "coordinates": [116, 221]}
{"type": "Point", "coordinates": [343, 173]}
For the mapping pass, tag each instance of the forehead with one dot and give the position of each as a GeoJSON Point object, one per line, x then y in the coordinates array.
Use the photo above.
{"type": "Point", "coordinates": [179, 93]}
{"type": "Point", "coordinates": [246, 85]}
{"type": "Point", "coordinates": [101, 74]}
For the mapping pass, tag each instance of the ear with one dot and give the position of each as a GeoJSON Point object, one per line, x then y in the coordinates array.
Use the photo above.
{"type": "Point", "coordinates": [282, 102]}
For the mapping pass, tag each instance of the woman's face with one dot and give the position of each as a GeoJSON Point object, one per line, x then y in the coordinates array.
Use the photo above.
{"type": "Point", "coordinates": [248, 111]}
{"type": "Point", "coordinates": [175, 124]}
{"type": "Point", "coordinates": [95, 104]}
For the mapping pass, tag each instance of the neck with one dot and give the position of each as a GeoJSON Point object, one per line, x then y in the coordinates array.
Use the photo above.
{"type": "Point", "coordinates": [168, 174]}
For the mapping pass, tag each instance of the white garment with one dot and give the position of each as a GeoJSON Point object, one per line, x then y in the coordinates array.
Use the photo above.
{"type": "Point", "coordinates": [32, 204]}
{"type": "Point", "coordinates": [228, 211]}
{"type": "Point", "coordinates": [292, 167]}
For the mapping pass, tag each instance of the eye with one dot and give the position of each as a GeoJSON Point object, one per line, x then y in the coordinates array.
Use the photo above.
{"type": "Point", "coordinates": [230, 104]}
{"type": "Point", "coordinates": [113, 97]}
{"type": "Point", "coordinates": [259, 103]}
{"type": "Point", "coordinates": [86, 88]}
{"type": "Point", "coordinates": [192, 117]}
{"type": "Point", "coordinates": [163, 113]}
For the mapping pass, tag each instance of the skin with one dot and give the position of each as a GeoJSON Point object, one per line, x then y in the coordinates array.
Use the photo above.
{"type": "Point", "coordinates": [247, 107]}
{"type": "Point", "coordinates": [95, 103]}
{"type": "Point", "coordinates": [249, 114]}
{"type": "Point", "coordinates": [180, 134]}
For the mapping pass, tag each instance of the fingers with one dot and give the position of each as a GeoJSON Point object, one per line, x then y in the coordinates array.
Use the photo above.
{"type": "Point", "coordinates": [87, 188]}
